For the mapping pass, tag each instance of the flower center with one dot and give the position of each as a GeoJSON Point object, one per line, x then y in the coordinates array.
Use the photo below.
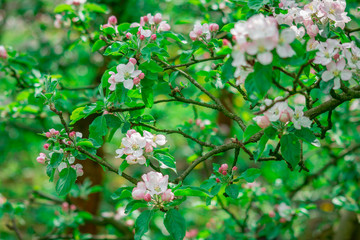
{"type": "Point", "coordinates": [127, 75]}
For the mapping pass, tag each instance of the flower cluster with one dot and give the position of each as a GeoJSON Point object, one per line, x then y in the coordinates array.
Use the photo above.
{"type": "Point", "coordinates": [203, 31]}
{"type": "Point", "coordinates": [316, 14]}
{"type": "Point", "coordinates": [154, 187]}
{"type": "Point", "coordinates": [135, 146]}
{"type": "Point", "coordinates": [257, 37]}
{"type": "Point", "coordinates": [68, 160]}
{"type": "Point", "coordinates": [223, 170]}
{"type": "Point", "coordinates": [112, 21]}
{"type": "Point", "coordinates": [155, 23]}
{"type": "Point", "coordinates": [283, 113]}
{"type": "Point", "coordinates": [3, 52]}
{"type": "Point", "coordinates": [340, 60]}
{"type": "Point", "coordinates": [126, 74]}
{"type": "Point", "coordinates": [75, 2]}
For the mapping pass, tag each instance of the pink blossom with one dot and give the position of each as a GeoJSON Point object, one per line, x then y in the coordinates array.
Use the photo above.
{"type": "Point", "coordinates": [234, 169]}
{"type": "Point", "coordinates": [41, 158]}
{"type": "Point", "coordinates": [327, 50]}
{"type": "Point", "coordinates": [153, 37]}
{"type": "Point", "coordinates": [141, 75]}
{"type": "Point", "coordinates": [112, 20]}
{"type": "Point", "coordinates": [139, 191]}
{"type": "Point", "coordinates": [167, 196]}
{"type": "Point", "coordinates": [163, 26]}
{"type": "Point", "coordinates": [128, 35]}
{"type": "Point", "coordinates": [133, 61]}
{"type": "Point", "coordinates": [200, 31]}
{"type": "Point", "coordinates": [155, 182]}
{"type": "Point", "coordinates": [272, 214]}
{"type": "Point", "coordinates": [217, 180]}
{"type": "Point", "coordinates": [136, 80]}
{"type": "Point", "coordinates": [157, 18]}
{"type": "Point", "coordinates": [262, 121]}
{"type": "Point", "coordinates": [147, 197]}
{"type": "Point", "coordinates": [46, 146]}
{"type": "Point", "coordinates": [72, 134]}
{"type": "Point", "coordinates": [213, 27]}
{"type": "Point", "coordinates": [337, 72]}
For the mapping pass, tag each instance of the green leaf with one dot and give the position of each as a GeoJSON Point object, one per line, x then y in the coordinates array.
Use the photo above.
{"type": "Point", "coordinates": [123, 166]}
{"type": "Point", "coordinates": [251, 174]}
{"type": "Point", "coordinates": [67, 178]}
{"type": "Point", "coordinates": [62, 8]}
{"type": "Point", "coordinates": [98, 129]}
{"type": "Point", "coordinates": [109, 30]}
{"type": "Point", "coordinates": [77, 114]}
{"type": "Point", "coordinates": [142, 223]}
{"type": "Point", "coordinates": [118, 193]}
{"type": "Point", "coordinates": [93, 7]}
{"type": "Point", "coordinates": [227, 71]}
{"type": "Point", "coordinates": [290, 149]}
{"type": "Point", "coordinates": [232, 190]}
{"type": "Point", "coordinates": [123, 27]}
{"type": "Point", "coordinates": [134, 205]}
{"type": "Point", "coordinates": [147, 95]}
{"type": "Point", "coordinates": [227, 27]}
{"type": "Point", "coordinates": [175, 224]}
{"type": "Point", "coordinates": [151, 66]}
{"type": "Point", "coordinates": [307, 135]}
{"type": "Point", "coordinates": [98, 44]}
{"type": "Point", "coordinates": [191, 191]}
{"type": "Point", "coordinates": [261, 146]}
{"type": "Point", "coordinates": [261, 77]}
{"type": "Point", "coordinates": [257, 4]}
{"type": "Point", "coordinates": [166, 161]}
{"type": "Point", "coordinates": [85, 143]}
{"type": "Point", "coordinates": [56, 159]}
{"type": "Point", "coordinates": [250, 131]}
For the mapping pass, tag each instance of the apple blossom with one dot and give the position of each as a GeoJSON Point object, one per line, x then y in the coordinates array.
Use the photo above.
{"type": "Point", "coordinates": [167, 196]}
{"type": "Point", "coordinates": [200, 31]}
{"type": "Point", "coordinates": [155, 182]}
{"type": "Point", "coordinates": [234, 169]}
{"type": "Point", "coordinates": [41, 158]}
{"type": "Point", "coordinates": [61, 166]}
{"type": "Point", "coordinates": [46, 146]}
{"type": "Point", "coordinates": [272, 214]}
{"type": "Point", "coordinates": [299, 120]}
{"type": "Point", "coordinates": [128, 35]}
{"type": "Point", "coordinates": [283, 48]}
{"type": "Point", "coordinates": [327, 50]}
{"type": "Point", "coordinates": [337, 72]}
{"type": "Point", "coordinates": [213, 27]}
{"type": "Point", "coordinates": [217, 180]}
{"type": "Point", "coordinates": [125, 74]}
{"type": "Point", "coordinates": [79, 169]}
{"type": "Point", "coordinates": [138, 192]}
{"type": "Point", "coordinates": [112, 20]}
{"type": "Point", "coordinates": [262, 121]}
{"type": "Point", "coordinates": [75, 2]}
{"type": "Point", "coordinates": [164, 26]}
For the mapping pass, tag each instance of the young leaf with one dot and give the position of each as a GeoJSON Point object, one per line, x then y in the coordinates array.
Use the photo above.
{"type": "Point", "coordinates": [56, 159]}
{"type": "Point", "coordinates": [142, 223]}
{"type": "Point", "coordinates": [166, 161]}
{"type": "Point", "coordinates": [251, 174]}
{"type": "Point", "coordinates": [66, 181]}
{"type": "Point", "coordinates": [175, 224]}
{"type": "Point", "coordinates": [232, 190]}
{"type": "Point", "coordinates": [134, 205]}
{"type": "Point", "coordinates": [98, 129]}
{"type": "Point", "coordinates": [290, 149]}
{"type": "Point", "coordinates": [123, 166]}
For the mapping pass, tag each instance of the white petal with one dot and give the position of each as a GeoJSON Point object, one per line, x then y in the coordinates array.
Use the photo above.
{"type": "Point", "coordinates": [327, 75]}
{"type": "Point", "coordinates": [346, 75]}
{"type": "Point", "coordinates": [265, 58]}
{"type": "Point", "coordinates": [336, 83]}
{"type": "Point", "coordinates": [129, 84]}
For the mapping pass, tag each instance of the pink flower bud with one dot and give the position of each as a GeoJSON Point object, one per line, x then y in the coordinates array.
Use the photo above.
{"type": "Point", "coordinates": [263, 189]}
{"type": "Point", "coordinates": [224, 173]}
{"type": "Point", "coordinates": [167, 196]}
{"type": "Point", "coordinates": [147, 197]}
{"type": "Point", "coordinates": [262, 121]}
{"type": "Point", "coordinates": [141, 75]}
{"type": "Point", "coordinates": [3, 52]}
{"type": "Point", "coordinates": [272, 214]}
{"type": "Point", "coordinates": [129, 222]}
{"type": "Point", "coordinates": [72, 207]}
{"type": "Point", "coordinates": [65, 206]}
{"type": "Point", "coordinates": [190, 121]}
{"type": "Point", "coordinates": [46, 146]}
{"type": "Point", "coordinates": [106, 112]}
{"type": "Point", "coordinates": [72, 134]}
{"type": "Point", "coordinates": [107, 26]}
{"type": "Point", "coordinates": [157, 18]}
{"type": "Point", "coordinates": [283, 220]}
{"type": "Point", "coordinates": [128, 35]}
{"type": "Point", "coordinates": [130, 132]}
{"type": "Point", "coordinates": [336, 56]}
{"type": "Point", "coordinates": [224, 167]}
{"type": "Point", "coordinates": [284, 117]}
{"type": "Point", "coordinates": [136, 80]}
{"type": "Point", "coordinates": [148, 148]}
{"type": "Point", "coordinates": [133, 60]}
{"type": "Point", "coordinates": [198, 122]}
{"type": "Point", "coordinates": [214, 27]}
{"type": "Point", "coordinates": [69, 142]}
{"type": "Point", "coordinates": [112, 20]}
{"type": "Point", "coordinates": [217, 180]}
{"type": "Point", "coordinates": [41, 158]}
{"type": "Point", "coordinates": [234, 168]}
{"type": "Point", "coordinates": [142, 37]}
{"type": "Point", "coordinates": [48, 134]}
{"type": "Point", "coordinates": [226, 42]}
{"type": "Point", "coordinates": [281, 5]}
{"type": "Point", "coordinates": [153, 37]}
{"type": "Point", "coordinates": [145, 18]}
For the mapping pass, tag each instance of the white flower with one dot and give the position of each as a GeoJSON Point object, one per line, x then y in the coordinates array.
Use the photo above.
{"type": "Point", "coordinates": [125, 74]}
{"type": "Point", "coordinates": [155, 182]}
{"type": "Point", "coordinates": [299, 120]}
{"type": "Point", "coordinates": [145, 33]}
{"type": "Point", "coordinates": [154, 139]}
{"type": "Point", "coordinates": [61, 166]}
{"type": "Point", "coordinates": [134, 144]}
{"type": "Point", "coordinates": [327, 50]}
{"type": "Point", "coordinates": [336, 71]}
{"type": "Point", "coordinates": [283, 48]}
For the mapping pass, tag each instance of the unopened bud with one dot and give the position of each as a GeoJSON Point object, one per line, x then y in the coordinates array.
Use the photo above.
{"type": "Point", "coordinates": [112, 20]}
{"type": "Point", "coordinates": [133, 60]}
